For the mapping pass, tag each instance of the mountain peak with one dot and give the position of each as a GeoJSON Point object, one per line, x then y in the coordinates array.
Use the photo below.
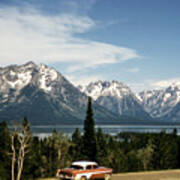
{"type": "Point", "coordinates": [30, 64]}
{"type": "Point", "coordinates": [161, 102]}
{"type": "Point", "coordinates": [17, 77]}
{"type": "Point", "coordinates": [44, 96]}
{"type": "Point", "coordinates": [116, 97]}
{"type": "Point", "coordinates": [105, 88]}
{"type": "Point", "coordinates": [43, 66]}
{"type": "Point", "coordinates": [175, 85]}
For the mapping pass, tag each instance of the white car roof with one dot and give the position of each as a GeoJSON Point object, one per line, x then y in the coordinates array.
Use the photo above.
{"type": "Point", "coordinates": [84, 163]}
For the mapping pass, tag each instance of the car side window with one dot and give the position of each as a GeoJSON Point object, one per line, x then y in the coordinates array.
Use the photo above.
{"type": "Point", "coordinates": [76, 167]}
{"type": "Point", "coordinates": [88, 167]}
{"type": "Point", "coordinates": [95, 167]}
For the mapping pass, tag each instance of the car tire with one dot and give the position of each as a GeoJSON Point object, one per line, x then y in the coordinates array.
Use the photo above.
{"type": "Point", "coordinates": [107, 177]}
{"type": "Point", "coordinates": [83, 178]}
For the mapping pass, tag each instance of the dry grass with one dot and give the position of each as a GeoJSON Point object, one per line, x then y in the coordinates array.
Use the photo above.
{"type": "Point", "coordinates": [47, 179]}
{"type": "Point", "coordinates": [154, 175]}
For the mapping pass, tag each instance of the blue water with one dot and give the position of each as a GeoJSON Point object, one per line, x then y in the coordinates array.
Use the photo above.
{"type": "Point", "coordinates": [43, 131]}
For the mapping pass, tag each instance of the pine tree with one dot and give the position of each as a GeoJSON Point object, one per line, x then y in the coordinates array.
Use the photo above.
{"type": "Point", "coordinates": [157, 152]}
{"type": "Point", "coordinates": [102, 150]}
{"type": "Point", "coordinates": [89, 139]}
{"type": "Point", "coordinates": [76, 147]}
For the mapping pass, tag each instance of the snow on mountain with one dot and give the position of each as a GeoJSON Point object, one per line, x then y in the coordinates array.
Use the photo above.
{"type": "Point", "coordinates": [13, 78]}
{"type": "Point", "coordinates": [160, 102]}
{"type": "Point", "coordinates": [37, 91]}
{"type": "Point", "coordinates": [44, 96]}
{"type": "Point", "coordinates": [105, 88]}
{"type": "Point", "coordinates": [116, 97]}
{"type": "Point", "coordinates": [17, 77]}
{"type": "Point", "coordinates": [174, 115]}
{"type": "Point", "coordinates": [48, 75]}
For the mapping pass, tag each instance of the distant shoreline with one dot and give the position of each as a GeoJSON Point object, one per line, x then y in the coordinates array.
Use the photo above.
{"type": "Point", "coordinates": [127, 123]}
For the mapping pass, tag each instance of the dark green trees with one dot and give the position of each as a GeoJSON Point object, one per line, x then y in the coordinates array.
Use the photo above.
{"type": "Point", "coordinates": [76, 147]}
{"type": "Point", "coordinates": [102, 148]}
{"type": "Point", "coordinates": [165, 151]}
{"type": "Point", "coordinates": [89, 139]}
{"type": "Point", "coordinates": [5, 162]}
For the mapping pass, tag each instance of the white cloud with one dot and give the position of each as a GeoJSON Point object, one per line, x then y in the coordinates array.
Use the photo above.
{"type": "Point", "coordinates": [79, 6]}
{"type": "Point", "coordinates": [30, 35]}
{"type": "Point", "coordinates": [153, 84]}
{"type": "Point", "coordinates": [165, 83]}
{"type": "Point", "coordinates": [133, 70]}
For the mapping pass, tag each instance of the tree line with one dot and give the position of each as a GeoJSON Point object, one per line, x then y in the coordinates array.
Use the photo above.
{"type": "Point", "coordinates": [23, 156]}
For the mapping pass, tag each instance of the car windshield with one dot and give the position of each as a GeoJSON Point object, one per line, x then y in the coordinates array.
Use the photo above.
{"type": "Point", "coordinates": [76, 167]}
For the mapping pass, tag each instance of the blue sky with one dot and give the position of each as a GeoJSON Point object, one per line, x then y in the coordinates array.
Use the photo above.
{"type": "Point", "coordinates": [133, 41]}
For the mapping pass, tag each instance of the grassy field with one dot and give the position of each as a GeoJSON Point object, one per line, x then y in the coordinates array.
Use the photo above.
{"type": "Point", "coordinates": [154, 175]}
{"type": "Point", "coordinates": [47, 179]}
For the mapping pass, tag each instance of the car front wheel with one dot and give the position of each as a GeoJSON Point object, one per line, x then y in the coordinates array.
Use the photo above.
{"type": "Point", "coordinates": [83, 178]}
{"type": "Point", "coordinates": [107, 177]}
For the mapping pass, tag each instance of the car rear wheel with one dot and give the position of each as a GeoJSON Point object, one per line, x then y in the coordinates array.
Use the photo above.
{"type": "Point", "coordinates": [107, 177]}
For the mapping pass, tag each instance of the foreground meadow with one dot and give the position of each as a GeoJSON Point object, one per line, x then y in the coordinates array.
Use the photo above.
{"type": "Point", "coordinates": [154, 175]}
{"type": "Point", "coordinates": [47, 179]}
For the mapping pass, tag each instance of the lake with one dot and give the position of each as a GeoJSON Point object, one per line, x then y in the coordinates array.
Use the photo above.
{"type": "Point", "coordinates": [43, 131]}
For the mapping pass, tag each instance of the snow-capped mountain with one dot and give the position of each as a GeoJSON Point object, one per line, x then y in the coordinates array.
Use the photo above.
{"type": "Point", "coordinates": [105, 88]}
{"type": "Point", "coordinates": [43, 95]}
{"type": "Point", "coordinates": [46, 97]}
{"type": "Point", "coordinates": [116, 97]}
{"type": "Point", "coordinates": [174, 115]}
{"type": "Point", "coordinates": [160, 103]}
{"type": "Point", "coordinates": [17, 77]}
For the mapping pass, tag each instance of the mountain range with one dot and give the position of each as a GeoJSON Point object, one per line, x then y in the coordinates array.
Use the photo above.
{"type": "Point", "coordinates": [46, 97]}
{"type": "Point", "coordinates": [116, 97]}
{"type": "Point", "coordinates": [157, 105]}
{"type": "Point", "coordinates": [162, 104]}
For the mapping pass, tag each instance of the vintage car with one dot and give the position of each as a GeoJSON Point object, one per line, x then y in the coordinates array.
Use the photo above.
{"type": "Point", "coordinates": [84, 170]}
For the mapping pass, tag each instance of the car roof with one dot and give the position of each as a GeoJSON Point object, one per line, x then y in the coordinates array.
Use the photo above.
{"type": "Point", "coordinates": [84, 163]}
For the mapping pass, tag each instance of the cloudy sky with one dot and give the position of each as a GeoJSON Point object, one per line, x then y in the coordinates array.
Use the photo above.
{"type": "Point", "coordinates": [133, 41]}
